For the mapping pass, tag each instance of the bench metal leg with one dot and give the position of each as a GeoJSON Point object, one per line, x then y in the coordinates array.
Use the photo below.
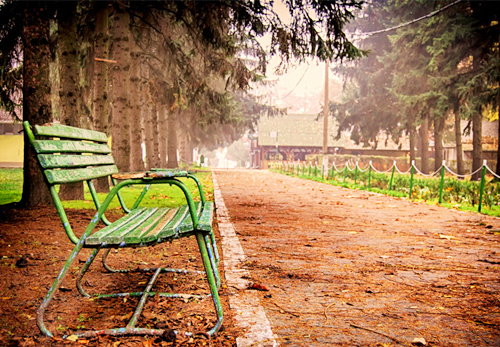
{"type": "Point", "coordinates": [214, 245]}
{"type": "Point", "coordinates": [211, 275]}
{"type": "Point", "coordinates": [50, 294]}
{"type": "Point", "coordinates": [213, 260]}
{"type": "Point", "coordinates": [83, 270]}
{"type": "Point", "coordinates": [211, 282]}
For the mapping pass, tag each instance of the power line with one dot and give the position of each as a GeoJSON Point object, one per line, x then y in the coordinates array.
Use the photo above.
{"type": "Point", "coordinates": [432, 14]}
{"type": "Point", "coordinates": [291, 91]}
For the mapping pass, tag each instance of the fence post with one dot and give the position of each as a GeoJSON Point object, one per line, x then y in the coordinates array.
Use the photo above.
{"type": "Point", "coordinates": [345, 172]}
{"type": "Point", "coordinates": [392, 175]}
{"type": "Point", "coordinates": [356, 173]}
{"type": "Point", "coordinates": [309, 170]}
{"type": "Point", "coordinates": [442, 183]}
{"type": "Point", "coordinates": [411, 178]}
{"type": "Point", "coordinates": [481, 189]}
{"type": "Point", "coordinates": [370, 175]}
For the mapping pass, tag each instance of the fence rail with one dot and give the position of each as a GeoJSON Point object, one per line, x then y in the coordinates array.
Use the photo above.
{"type": "Point", "coordinates": [443, 181]}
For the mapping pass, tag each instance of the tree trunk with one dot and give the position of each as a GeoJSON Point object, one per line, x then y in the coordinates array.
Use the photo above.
{"type": "Point", "coordinates": [497, 170]}
{"type": "Point", "coordinates": [36, 96]}
{"type": "Point", "coordinates": [458, 138]}
{"type": "Point", "coordinates": [412, 134]}
{"type": "Point", "coordinates": [151, 137]}
{"type": "Point", "coordinates": [136, 115]}
{"type": "Point", "coordinates": [189, 152]}
{"type": "Point", "coordinates": [156, 142]}
{"type": "Point", "coordinates": [477, 146]}
{"type": "Point", "coordinates": [69, 88]}
{"type": "Point", "coordinates": [424, 144]}
{"type": "Point", "coordinates": [101, 84]}
{"type": "Point", "coordinates": [438, 142]}
{"type": "Point", "coordinates": [182, 146]}
{"type": "Point", "coordinates": [162, 136]}
{"type": "Point", "coordinates": [121, 118]}
{"type": "Point", "coordinates": [172, 140]}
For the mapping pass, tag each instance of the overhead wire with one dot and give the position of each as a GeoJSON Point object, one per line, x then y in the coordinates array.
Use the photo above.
{"type": "Point", "coordinates": [429, 15]}
{"type": "Point", "coordinates": [291, 91]}
{"type": "Point", "coordinates": [371, 33]}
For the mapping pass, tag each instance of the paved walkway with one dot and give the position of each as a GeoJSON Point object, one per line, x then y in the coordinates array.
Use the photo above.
{"type": "Point", "coordinates": [351, 268]}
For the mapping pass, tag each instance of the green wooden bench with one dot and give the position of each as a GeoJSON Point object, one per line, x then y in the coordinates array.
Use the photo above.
{"type": "Point", "coordinates": [67, 155]}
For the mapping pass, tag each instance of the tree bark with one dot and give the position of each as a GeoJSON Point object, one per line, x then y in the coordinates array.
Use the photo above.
{"type": "Point", "coordinates": [182, 146]}
{"type": "Point", "coordinates": [424, 144]}
{"type": "Point", "coordinates": [412, 135]}
{"type": "Point", "coordinates": [172, 140]}
{"type": "Point", "coordinates": [162, 135]}
{"type": "Point", "coordinates": [121, 118]}
{"type": "Point", "coordinates": [136, 115]}
{"type": "Point", "coordinates": [477, 146]}
{"type": "Point", "coordinates": [438, 142]}
{"type": "Point", "coordinates": [37, 108]}
{"type": "Point", "coordinates": [101, 105]}
{"type": "Point", "coordinates": [156, 142]}
{"type": "Point", "coordinates": [458, 138]}
{"type": "Point", "coordinates": [69, 87]}
{"type": "Point", "coordinates": [497, 170]}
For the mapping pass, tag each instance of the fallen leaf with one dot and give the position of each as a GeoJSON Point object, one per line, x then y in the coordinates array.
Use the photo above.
{"type": "Point", "coordinates": [419, 341]}
{"type": "Point", "coordinates": [258, 286]}
{"type": "Point", "coordinates": [127, 316]}
{"type": "Point", "coordinates": [448, 237]}
{"type": "Point", "coordinates": [72, 338]}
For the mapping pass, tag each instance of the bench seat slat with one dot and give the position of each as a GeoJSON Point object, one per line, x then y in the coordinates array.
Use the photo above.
{"type": "Point", "coordinates": [118, 236]}
{"type": "Point", "coordinates": [50, 161]}
{"type": "Point", "coordinates": [207, 217]}
{"type": "Point", "coordinates": [65, 131]}
{"type": "Point", "coordinates": [98, 237]}
{"type": "Point", "coordinates": [64, 146]}
{"type": "Point", "coordinates": [187, 225]}
{"type": "Point", "coordinates": [171, 229]}
{"type": "Point", "coordinates": [58, 176]}
{"type": "Point", "coordinates": [151, 228]}
{"type": "Point", "coordinates": [149, 225]}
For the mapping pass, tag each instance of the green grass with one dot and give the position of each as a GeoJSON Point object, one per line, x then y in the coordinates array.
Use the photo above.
{"type": "Point", "coordinates": [457, 194]}
{"type": "Point", "coordinates": [11, 185]}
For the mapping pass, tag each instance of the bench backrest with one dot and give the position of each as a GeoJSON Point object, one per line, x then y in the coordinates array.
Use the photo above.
{"type": "Point", "coordinates": [68, 154]}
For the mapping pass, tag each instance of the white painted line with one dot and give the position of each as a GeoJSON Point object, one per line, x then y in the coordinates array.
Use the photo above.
{"type": "Point", "coordinates": [249, 313]}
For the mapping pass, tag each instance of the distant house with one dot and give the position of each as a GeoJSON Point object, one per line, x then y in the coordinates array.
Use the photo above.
{"type": "Point", "coordinates": [294, 136]}
{"type": "Point", "coordinates": [11, 143]}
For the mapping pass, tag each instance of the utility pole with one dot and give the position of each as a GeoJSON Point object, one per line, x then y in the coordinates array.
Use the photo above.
{"type": "Point", "coordinates": [326, 112]}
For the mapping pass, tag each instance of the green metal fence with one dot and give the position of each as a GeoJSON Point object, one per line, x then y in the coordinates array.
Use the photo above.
{"type": "Point", "coordinates": [442, 185]}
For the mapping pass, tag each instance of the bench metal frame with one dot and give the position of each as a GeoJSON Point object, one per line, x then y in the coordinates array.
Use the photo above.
{"type": "Point", "coordinates": [86, 144]}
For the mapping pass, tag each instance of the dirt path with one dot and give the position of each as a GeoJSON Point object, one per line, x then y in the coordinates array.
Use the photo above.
{"type": "Point", "coordinates": [354, 268]}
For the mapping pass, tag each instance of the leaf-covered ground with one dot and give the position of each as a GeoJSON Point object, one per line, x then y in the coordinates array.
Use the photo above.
{"type": "Point", "coordinates": [353, 268]}
{"type": "Point", "coordinates": [343, 268]}
{"type": "Point", "coordinates": [34, 247]}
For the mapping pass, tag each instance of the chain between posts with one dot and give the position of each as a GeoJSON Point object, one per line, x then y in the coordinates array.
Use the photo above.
{"type": "Point", "coordinates": [294, 168]}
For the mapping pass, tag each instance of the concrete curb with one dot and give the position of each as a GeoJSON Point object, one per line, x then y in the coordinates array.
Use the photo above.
{"type": "Point", "coordinates": [249, 313]}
